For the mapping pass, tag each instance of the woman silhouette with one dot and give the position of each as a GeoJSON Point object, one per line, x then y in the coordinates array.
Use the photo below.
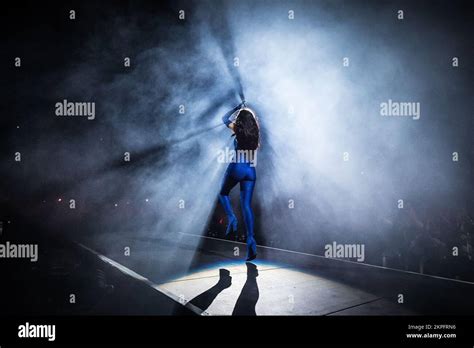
{"type": "Point", "coordinates": [243, 122]}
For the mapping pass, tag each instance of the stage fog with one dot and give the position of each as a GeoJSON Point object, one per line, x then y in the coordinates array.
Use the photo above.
{"type": "Point", "coordinates": [362, 116]}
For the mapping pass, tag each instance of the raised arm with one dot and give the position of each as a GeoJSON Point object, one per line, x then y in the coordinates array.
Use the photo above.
{"type": "Point", "coordinates": [228, 119]}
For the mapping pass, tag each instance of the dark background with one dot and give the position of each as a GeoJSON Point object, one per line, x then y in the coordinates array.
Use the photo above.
{"type": "Point", "coordinates": [136, 112]}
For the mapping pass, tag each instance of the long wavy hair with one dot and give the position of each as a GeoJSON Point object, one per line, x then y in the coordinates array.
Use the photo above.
{"type": "Point", "coordinates": [247, 131]}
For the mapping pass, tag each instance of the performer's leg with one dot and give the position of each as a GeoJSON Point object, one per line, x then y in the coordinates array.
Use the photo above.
{"type": "Point", "coordinates": [246, 192]}
{"type": "Point", "coordinates": [228, 184]}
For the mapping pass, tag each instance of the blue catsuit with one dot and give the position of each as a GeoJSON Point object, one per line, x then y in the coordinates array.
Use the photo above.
{"type": "Point", "coordinates": [245, 174]}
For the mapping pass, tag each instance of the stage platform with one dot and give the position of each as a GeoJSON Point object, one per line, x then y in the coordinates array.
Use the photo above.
{"type": "Point", "coordinates": [209, 276]}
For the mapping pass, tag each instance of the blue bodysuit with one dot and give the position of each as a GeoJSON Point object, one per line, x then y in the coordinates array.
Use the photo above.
{"type": "Point", "coordinates": [242, 172]}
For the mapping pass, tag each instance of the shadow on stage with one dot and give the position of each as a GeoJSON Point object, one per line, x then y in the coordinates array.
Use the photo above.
{"type": "Point", "coordinates": [248, 297]}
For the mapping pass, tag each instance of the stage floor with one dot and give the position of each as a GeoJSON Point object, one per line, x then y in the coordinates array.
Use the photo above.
{"type": "Point", "coordinates": [210, 280]}
{"type": "Point", "coordinates": [266, 289]}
